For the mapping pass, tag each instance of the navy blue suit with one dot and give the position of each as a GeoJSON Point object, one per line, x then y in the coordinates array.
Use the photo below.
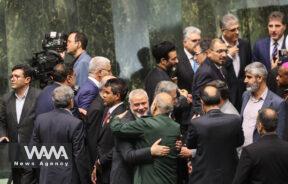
{"type": "Point", "coordinates": [261, 52]}
{"type": "Point", "coordinates": [274, 101]}
{"type": "Point", "coordinates": [86, 94]}
{"type": "Point", "coordinates": [44, 103]}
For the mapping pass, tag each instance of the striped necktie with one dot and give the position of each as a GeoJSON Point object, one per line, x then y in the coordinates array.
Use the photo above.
{"type": "Point", "coordinates": [275, 51]}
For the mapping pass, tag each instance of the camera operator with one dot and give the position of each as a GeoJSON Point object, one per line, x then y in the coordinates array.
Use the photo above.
{"type": "Point", "coordinates": [53, 53]}
{"type": "Point", "coordinates": [62, 75]}
{"type": "Point", "coordinates": [76, 45]}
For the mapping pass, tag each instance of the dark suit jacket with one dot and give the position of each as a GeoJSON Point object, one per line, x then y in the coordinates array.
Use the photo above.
{"type": "Point", "coordinates": [86, 94]}
{"type": "Point", "coordinates": [59, 126]}
{"type": "Point", "coordinates": [184, 72]}
{"type": "Point", "coordinates": [206, 73]}
{"type": "Point", "coordinates": [216, 136]}
{"type": "Point", "coordinates": [45, 102]}
{"type": "Point", "coordinates": [125, 157]}
{"type": "Point", "coordinates": [263, 162]}
{"type": "Point", "coordinates": [105, 145]}
{"type": "Point", "coordinates": [274, 101]}
{"type": "Point", "coordinates": [236, 84]}
{"type": "Point", "coordinates": [261, 51]}
{"type": "Point", "coordinates": [153, 78]}
{"type": "Point", "coordinates": [285, 132]}
{"type": "Point", "coordinates": [9, 126]}
{"type": "Point", "coordinates": [93, 126]}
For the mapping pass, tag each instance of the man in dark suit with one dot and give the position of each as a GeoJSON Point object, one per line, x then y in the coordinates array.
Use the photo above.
{"type": "Point", "coordinates": [216, 136]}
{"type": "Point", "coordinates": [188, 64]}
{"type": "Point", "coordinates": [113, 93]}
{"type": "Point", "coordinates": [256, 97]}
{"type": "Point", "coordinates": [239, 56]}
{"type": "Point", "coordinates": [211, 69]}
{"type": "Point", "coordinates": [18, 115]}
{"type": "Point", "coordinates": [147, 130]}
{"type": "Point", "coordinates": [265, 161]}
{"type": "Point", "coordinates": [60, 127]}
{"type": "Point", "coordinates": [98, 68]}
{"type": "Point", "coordinates": [62, 75]}
{"type": "Point", "coordinates": [125, 155]}
{"type": "Point", "coordinates": [93, 121]}
{"type": "Point", "coordinates": [266, 50]}
{"type": "Point", "coordinates": [166, 60]}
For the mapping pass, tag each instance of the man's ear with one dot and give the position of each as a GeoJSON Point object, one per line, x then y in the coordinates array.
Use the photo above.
{"type": "Point", "coordinates": [163, 61]}
{"type": "Point", "coordinates": [28, 80]}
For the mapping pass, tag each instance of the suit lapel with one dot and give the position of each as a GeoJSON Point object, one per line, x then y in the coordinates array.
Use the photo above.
{"type": "Point", "coordinates": [267, 51]}
{"type": "Point", "coordinates": [27, 105]}
{"type": "Point", "coordinates": [245, 101]}
{"type": "Point", "coordinates": [104, 127]}
{"type": "Point", "coordinates": [187, 63]}
{"type": "Point", "coordinates": [12, 105]}
{"type": "Point", "coordinates": [268, 100]}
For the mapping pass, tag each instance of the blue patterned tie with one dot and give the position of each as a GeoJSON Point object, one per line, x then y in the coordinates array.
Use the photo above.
{"type": "Point", "coordinates": [275, 51]}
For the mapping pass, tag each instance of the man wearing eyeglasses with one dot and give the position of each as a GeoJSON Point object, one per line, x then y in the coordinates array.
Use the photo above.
{"type": "Point", "coordinates": [211, 69]}
{"type": "Point", "coordinates": [17, 117]}
{"type": "Point", "coordinates": [239, 56]}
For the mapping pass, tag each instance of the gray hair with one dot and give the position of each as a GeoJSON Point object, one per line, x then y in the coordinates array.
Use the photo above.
{"type": "Point", "coordinates": [98, 63]}
{"type": "Point", "coordinates": [257, 69]}
{"type": "Point", "coordinates": [226, 19]}
{"type": "Point", "coordinates": [137, 92]}
{"type": "Point", "coordinates": [165, 86]}
{"type": "Point", "coordinates": [62, 96]}
{"type": "Point", "coordinates": [161, 102]}
{"type": "Point", "coordinates": [189, 30]}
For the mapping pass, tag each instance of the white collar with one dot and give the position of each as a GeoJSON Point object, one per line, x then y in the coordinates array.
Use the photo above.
{"type": "Point", "coordinates": [97, 83]}
{"type": "Point", "coordinates": [24, 96]}
{"type": "Point", "coordinates": [188, 54]}
{"type": "Point", "coordinates": [280, 41]}
{"type": "Point", "coordinates": [111, 109]}
{"type": "Point", "coordinates": [226, 43]}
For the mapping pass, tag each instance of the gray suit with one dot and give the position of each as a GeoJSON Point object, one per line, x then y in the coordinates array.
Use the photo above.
{"type": "Point", "coordinates": [18, 132]}
{"type": "Point", "coordinates": [272, 100]}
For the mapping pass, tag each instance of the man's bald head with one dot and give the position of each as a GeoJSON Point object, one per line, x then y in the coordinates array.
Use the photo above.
{"type": "Point", "coordinates": [210, 95]}
{"type": "Point", "coordinates": [162, 104]}
{"type": "Point", "coordinates": [268, 118]}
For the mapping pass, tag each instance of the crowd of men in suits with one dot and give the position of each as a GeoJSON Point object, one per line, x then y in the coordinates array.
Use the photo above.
{"type": "Point", "coordinates": [222, 103]}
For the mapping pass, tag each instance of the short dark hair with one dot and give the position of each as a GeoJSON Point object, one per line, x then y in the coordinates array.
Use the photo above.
{"type": "Point", "coordinates": [27, 70]}
{"type": "Point", "coordinates": [268, 118]}
{"type": "Point", "coordinates": [162, 50]}
{"type": "Point", "coordinates": [61, 71]}
{"type": "Point", "coordinates": [222, 87]}
{"type": "Point", "coordinates": [209, 97]}
{"type": "Point", "coordinates": [277, 15]}
{"type": "Point", "coordinates": [82, 38]}
{"type": "Point", "coordinates": [118, 86]}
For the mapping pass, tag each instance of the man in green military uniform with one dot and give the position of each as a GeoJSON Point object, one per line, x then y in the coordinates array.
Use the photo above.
{"type": "Point", "coordinates": [164, 169]}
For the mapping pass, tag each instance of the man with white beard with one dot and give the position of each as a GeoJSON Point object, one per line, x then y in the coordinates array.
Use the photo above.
{"type": "Point", "coordinates": [255, 98]}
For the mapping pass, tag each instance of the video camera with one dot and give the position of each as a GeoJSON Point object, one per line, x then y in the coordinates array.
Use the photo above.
{"type": "Point", "coordinates": [43, 62]}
